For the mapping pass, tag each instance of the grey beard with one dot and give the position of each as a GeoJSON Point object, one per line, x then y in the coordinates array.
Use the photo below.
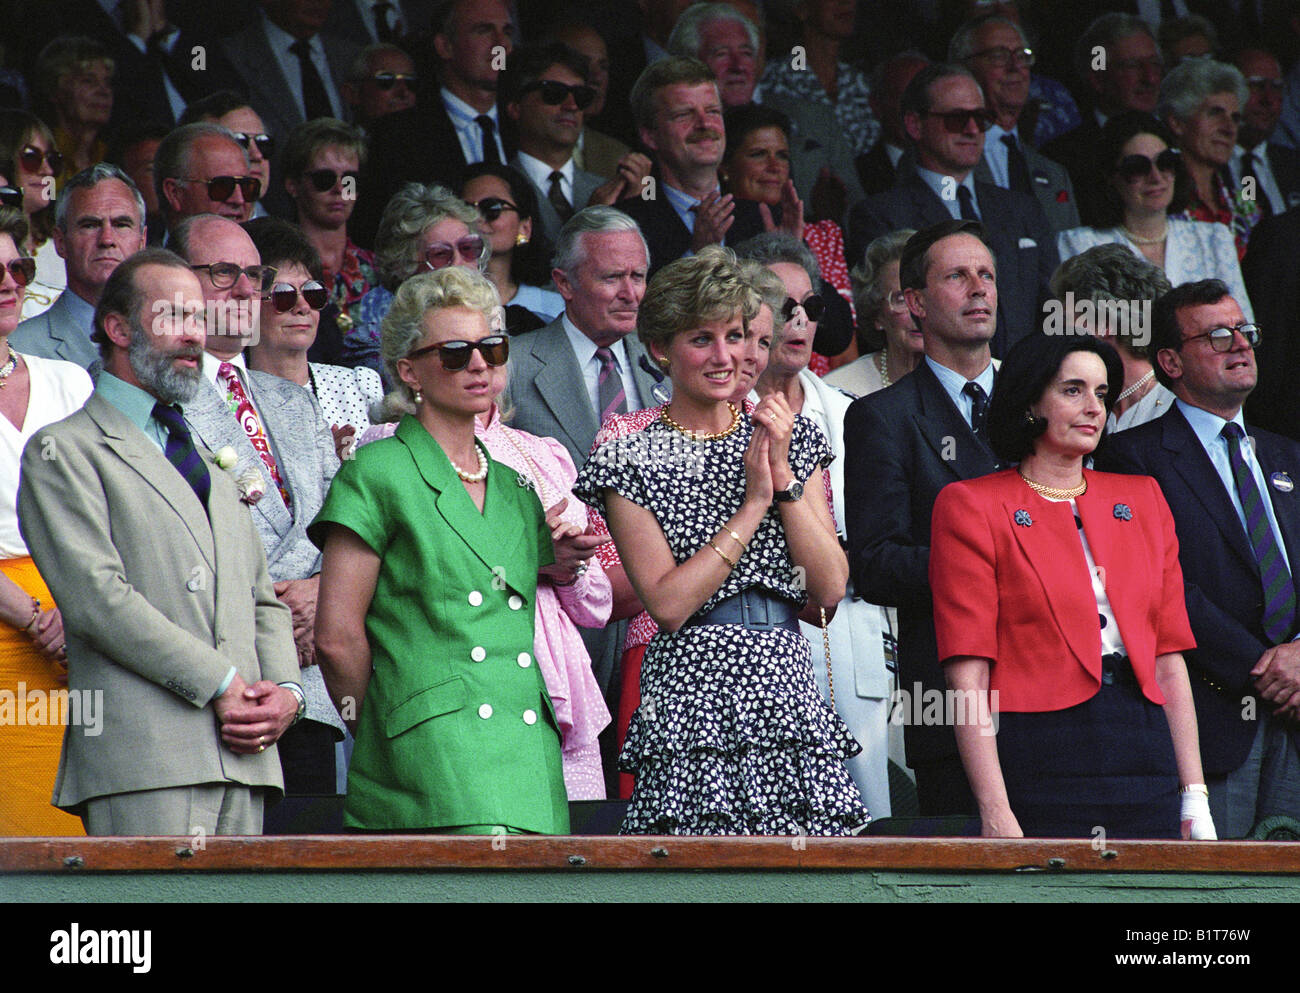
{"type": "Point", "coordinates": [156, 373]}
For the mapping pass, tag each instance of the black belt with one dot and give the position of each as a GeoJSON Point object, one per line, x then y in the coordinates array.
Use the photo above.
{"type": "Point", "coordinates": [1116, 668]}
{"type": "Point", "coordinates": [752, 609]}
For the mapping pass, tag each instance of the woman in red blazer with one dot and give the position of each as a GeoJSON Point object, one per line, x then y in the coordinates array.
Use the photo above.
{"type": "Point", "coordinates": [1060, 618]}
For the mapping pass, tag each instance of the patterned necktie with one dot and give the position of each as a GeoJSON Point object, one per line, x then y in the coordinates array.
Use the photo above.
{"type": "Point", "coordinates": [557, 198]}
{"type": "Point", "coordinates": [180, 451]}
{"type": "Point", "coordinates": [967, 204]}
{"type": "Point", "coordinates": [489, 129]}
{"type": "Point", "coordinates": [246, 414]}
{"type": "Point", "coordinates": [315, 101]}
{"type": "Point", "coordinates": [1248, 170]}
{"type": "Point", "coordinates": [1017, 167]}
{"type": "Point", "coordinates": [610, 398]}
{"type": "Point", "coordinates": [979, 406]}
{"type": "Point", "coordinates": [1279, 591]}
{"type": "Point", "coordinates": [383, 31]}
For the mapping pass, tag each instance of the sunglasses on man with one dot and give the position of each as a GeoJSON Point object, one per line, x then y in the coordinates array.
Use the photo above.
{"type": "Point", "coordinates": [954, 121]}
{"type": "Point", "coordinates": [1136, 166]}
{"type": "Point", "coordinates": [324, 180]}
{"type": "Point", "coordinates": [222, 188]}
{"type": "Point", "coordinates": [30, 158]}
{"type": "Point", "coordinates": [22, 269]}
{"type": "Point", "coordinates": [455, 355]}
{"type": "Point", "coordinates": [555, 93]}
{"type": "Point", "coordinates": [490, 208]}
{"type": "Point", "coordinates": [264, 142]}
{"type": "Point", "coordinates": [284, 296]}
{"type": "Point", "coordinates": [442, 254]}
{"type": "Point", "coordinates": [813, 305]}
{"type": "Point", "coordinates": [385, 81]}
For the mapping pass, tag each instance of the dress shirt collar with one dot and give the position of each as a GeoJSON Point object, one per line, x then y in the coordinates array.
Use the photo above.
{"type": "Point", "coordinates": [954, 382]}
{"type": "Point", "coordinates": [462, 114]}
{"type": "Point", "coordinates": [1208, 427]}
{"type": "Point", "coordinates": [940, 184]}
{"type": "Point", "coordinates": [212, 364]}
{"type": "Point", "coordinates": [134, 403]}
{"type": "Point", "coordinates": [540, 173]}
{"type": "Point", "coordinates": [280, 40]}
{"type": "Point", "coordinates": [682, 202]}
{"type": "Point", "coordinates": [895, 152]}
{"type": "Point", "coordinates": [585, 348]}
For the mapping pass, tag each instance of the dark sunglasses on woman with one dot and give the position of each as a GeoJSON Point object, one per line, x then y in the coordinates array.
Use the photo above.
{"type": "Point", "coordinates": [813, 305]}
{"type": "Point", "coordinates": [264, 142]}
{"type": "Point", "coordinates": [554, 93]}
{"type": "Point", "coordinates": [22, 269]}
{"type": "Point", "coordinates": [10, 197]}
{"type": "Point", "coordinates": [1135, 166]}
{"type": "Point", "coordinates": [30, 159]}
{"type": "Point", "coordinates": [442, 254]}
{"type": "Point", "coordinates": [222, 188]}
{"type": "Point", "coordinates": [284, 296]}
{"type": "Point", "coordinates": [455, 355]}
{"type": "Point", "coordinates": [493, 207]}
{"type": "Point", "coordinates": [324, 180]}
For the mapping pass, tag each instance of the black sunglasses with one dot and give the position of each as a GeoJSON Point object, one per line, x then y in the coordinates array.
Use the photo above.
{"type": "Point", "coordinates": [555, 93]}
{"type": "Point", "coordinates": [385, 81]}
{"type": "Point", "coordinates": [22, 269]}
{"type": "Point", "coordinates": [224, 275]}
{"type": "Point", "coordinates": [813, 305]}
{"type": "Point", "coordinates": [441, 255]}
{"type": "Point", "coordinates": [30, 159]}
{"type": "Point", "coordinates": [222, 188]}
{"type": "Point", "coordinates": [10, 197]}
{"type": "Point", "coordinates": [954, 121]}
{"type": "Point", "coordinates": [1136, 166]}
{"type": "Point", "coordinates": [284, 296]}
{"type": "Point", "coordinates": [324, 180]}
{"type": "Point", "coordinates": [264, 142]}
{"type": "Point", "coordinates": [455, 355]}
{"type": "Point", "coordinates": [493, 207]}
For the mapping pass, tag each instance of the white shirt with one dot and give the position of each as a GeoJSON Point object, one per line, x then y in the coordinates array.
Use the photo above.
{"type": "Point", "coordinates": [280, 40]}
{"type": "Point", "coordinates": [585, 349]}
{"type": "Point", "coordinates": [945, 188]}
{"type": "Point", "coordinates": [540, 174]}
{"type": "Point", "coordinates": [366, 10]}
{"type": "Point", "coordinates": [954, 383]}
{"type": "Point", "coordinates": [464, 119]}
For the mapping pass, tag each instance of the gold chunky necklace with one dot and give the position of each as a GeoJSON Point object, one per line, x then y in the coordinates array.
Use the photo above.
{"type": "Point", "coordinates": [705, 435]}
{"type": "Point", "coordinates": [1051, 492]}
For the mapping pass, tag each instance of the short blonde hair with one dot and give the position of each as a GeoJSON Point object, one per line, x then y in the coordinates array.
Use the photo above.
{"type": "Point", "coordinates": [403, 327]}
{"type": "Point", "coordinates": [686, 293]}
{"type": "Point", "coordinates": [412, 211]}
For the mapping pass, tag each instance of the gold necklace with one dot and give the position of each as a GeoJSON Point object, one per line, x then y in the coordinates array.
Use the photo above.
{"type": "Point", "coordinates": [1138, 239]}
{"type": "Point", "coordinates": [883, 366]}
{"type": "Point", "coordinates": [1051, 492]}
{"type": "Point", "coordinates": [705, 435]}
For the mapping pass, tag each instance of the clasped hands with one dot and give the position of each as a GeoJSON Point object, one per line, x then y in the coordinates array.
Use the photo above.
{"type": "Point", "coordinates": [573, 545]}
{"type": "Point", "coordinates": [1277, 679]}
{"type": "Point", "coordinates": [767, 459]}
{"type": "Point", "coordinates": [253, 717]}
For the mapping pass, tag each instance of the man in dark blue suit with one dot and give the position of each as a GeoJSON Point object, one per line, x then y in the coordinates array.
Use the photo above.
{"type": "Point", "coordinates": [945, 118]}
{"type": "Point", "coordinates": [905, 444]}
{"type": "Point", "coordinates": [1233, 497]}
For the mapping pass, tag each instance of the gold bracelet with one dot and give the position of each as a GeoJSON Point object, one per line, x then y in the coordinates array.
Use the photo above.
{"type": "Point", "coordinates": [735, 537]}
{"type": "Point", "coordinates": [1200, 788]}
{"type": "Point", "coordinates": [721, 556]}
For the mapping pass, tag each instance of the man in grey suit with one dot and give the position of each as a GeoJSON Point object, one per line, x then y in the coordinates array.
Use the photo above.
{"type": "Point", "coordinates": [994, 50]}
{"type": "Point", "coordinates": [98, 222]}
{"type": "Point", "coordinates": [546, 92]}
{"type": "Point", "coordinates": [283, 446]}
{"type": "Point", "coordinates": [167, 605]}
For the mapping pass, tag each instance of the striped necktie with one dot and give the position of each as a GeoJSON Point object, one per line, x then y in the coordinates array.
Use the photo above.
{"type": "Point", "coordinates": [610, 398]}
{"type": "Point", "coordinates": [180, 451]}
{"type": "Point", "coordinates": [1279, 591]}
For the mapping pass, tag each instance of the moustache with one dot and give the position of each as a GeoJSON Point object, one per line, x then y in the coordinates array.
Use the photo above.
{"type": "Point", "coordinates": [706, 135]}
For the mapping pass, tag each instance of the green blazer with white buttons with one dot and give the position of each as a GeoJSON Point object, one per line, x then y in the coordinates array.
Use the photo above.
{"type": "Point", "coordinates": [456, 727]}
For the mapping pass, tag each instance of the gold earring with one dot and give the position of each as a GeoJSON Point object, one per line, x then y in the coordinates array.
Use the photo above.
{"type": "Point", "coordinates": [1030, 418]}
{"type": "Point", "coordinates": [521, 239]}
{"type": "Point", "coordinates": [663, 362]}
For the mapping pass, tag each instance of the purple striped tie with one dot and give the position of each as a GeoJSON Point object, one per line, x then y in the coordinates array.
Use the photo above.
{"type": "Point", "coordinates": [610, 398]}
{"type": "Point", "coordinates": [1279, 591]}
{"type": "Point", "coordinates": [181, 453]}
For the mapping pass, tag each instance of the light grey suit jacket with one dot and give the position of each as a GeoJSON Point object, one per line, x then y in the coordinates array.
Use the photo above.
{"type": "Point", "coordinates": [1052, 187]}
{"type": "Point", "coordinates": [158, 600]}
{"type": "Point", "coordinates": [304, 450]}
{"type": "Point", "coordinates": [584, 185]}
{"type": "Point", "coordinates": [55, 334]}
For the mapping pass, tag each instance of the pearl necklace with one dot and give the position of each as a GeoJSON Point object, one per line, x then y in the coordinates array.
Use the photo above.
{"type": "Point", "coordinates": [473, 477]}
{"type": "Point", "coordinates": [883, 366]}
{"type": "Point", "coordinates": [7, 369]}
{"type": "Point", "coordinates": [705, 435]}
{"type": "Point", "coordinates": [1125, 394]}
{"type": "Point", "coordinates": [1051, 492]}
{"type": "Point", "coordinates": [1137, 239]}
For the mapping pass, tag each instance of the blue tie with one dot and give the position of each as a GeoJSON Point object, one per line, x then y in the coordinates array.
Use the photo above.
{"type": "Point", "coordinates": [1279, 591]}
{"type": "Point", "coordinates": [181, 453]}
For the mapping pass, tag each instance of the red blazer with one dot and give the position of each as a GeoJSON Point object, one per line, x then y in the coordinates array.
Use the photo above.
{"type": "Point", "coordinates": [1019, 594]}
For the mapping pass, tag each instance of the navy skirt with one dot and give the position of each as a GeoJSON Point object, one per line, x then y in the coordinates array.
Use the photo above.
{"type": "Point", "coordinates": [1103, 768]}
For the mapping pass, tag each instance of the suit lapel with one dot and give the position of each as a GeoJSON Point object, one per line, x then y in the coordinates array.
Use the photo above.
{"type": "Point", "coordinates": [946, 431]}
{"type": "Point", "coordinates": [1286, 504]}
{"type": "Point", "coordinates": [562, 387]}
{"type": "Point", "coordinates": [645, 382]}
{"type": "Point", "coordinates": [142, 455]}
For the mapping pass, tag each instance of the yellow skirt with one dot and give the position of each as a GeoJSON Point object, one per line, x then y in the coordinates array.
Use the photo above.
{"type": "Point", "coordinates": [29, 752]}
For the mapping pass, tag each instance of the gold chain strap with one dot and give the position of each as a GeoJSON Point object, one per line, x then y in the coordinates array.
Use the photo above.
{"type": "Point", "coordinates": [826, 644]}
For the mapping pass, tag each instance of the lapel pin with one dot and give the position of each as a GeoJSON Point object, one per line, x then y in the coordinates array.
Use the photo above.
{"type": "Point", "coordinates": [1281, 482]}
{"type": "Point", "coordinates": [1023, 519]}
{"type": "Point", "coordinates": [523, 481]}
{"type": "Point", "coordinates": [1123, 512]}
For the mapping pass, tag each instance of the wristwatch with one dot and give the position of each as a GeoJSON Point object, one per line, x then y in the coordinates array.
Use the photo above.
{"type": "Point", "coordinates": [790, 494]}
{"type": "Point", "coordinates": [302, 701]}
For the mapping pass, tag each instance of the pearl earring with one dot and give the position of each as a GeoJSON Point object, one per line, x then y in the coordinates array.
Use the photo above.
{"type": "Point", "coordinates": [419, 398]}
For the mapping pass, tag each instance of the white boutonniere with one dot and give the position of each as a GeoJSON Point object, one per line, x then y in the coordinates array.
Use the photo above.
{"type": "Point", "coordinates": [252, 487]}
{"type": "Point", "coordinates": [226, 458]}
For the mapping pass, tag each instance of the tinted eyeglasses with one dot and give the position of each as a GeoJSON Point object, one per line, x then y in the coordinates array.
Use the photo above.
{"type": "Point", "coordinates": [1222, 339]}
{"type": "Point", "coordinates": [1002, 56]}
{"type": "Point", "coordinates": [222, 188]}
{"type": "Point", "coordinates": [30, 159]}
{"type": "Point", "coordinates": [224, 275]}
{"type": "Point", "coordinates": [1272, 83]}
{"type": "Point", "coordinates": [284, 296]}
{"type": "Point", "coordinates": [1135, 166]}
{"type": "Point", "coordinates": [264, 142]}
{"type": "Point", "coordinates": [555, 93]}
{"type": "Point", "coordinates": [10, 197]}
{"type": "Point", "coordinates": [493, 207]}
{"type": "Point", "coordinates": [954, 121]}
{"type": "Point", "coordinates": [385, 81]}
{"type": "Point", "coordinates": [441, 255]}
{"type": "Point", "coordinates": [22, 269]}
{"type": "Point", "coordinates": [813, 305]}
{"type": "Point", "coordinates": [324, 180]}
{"type": "Point", "coordinates": [455, 355]}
